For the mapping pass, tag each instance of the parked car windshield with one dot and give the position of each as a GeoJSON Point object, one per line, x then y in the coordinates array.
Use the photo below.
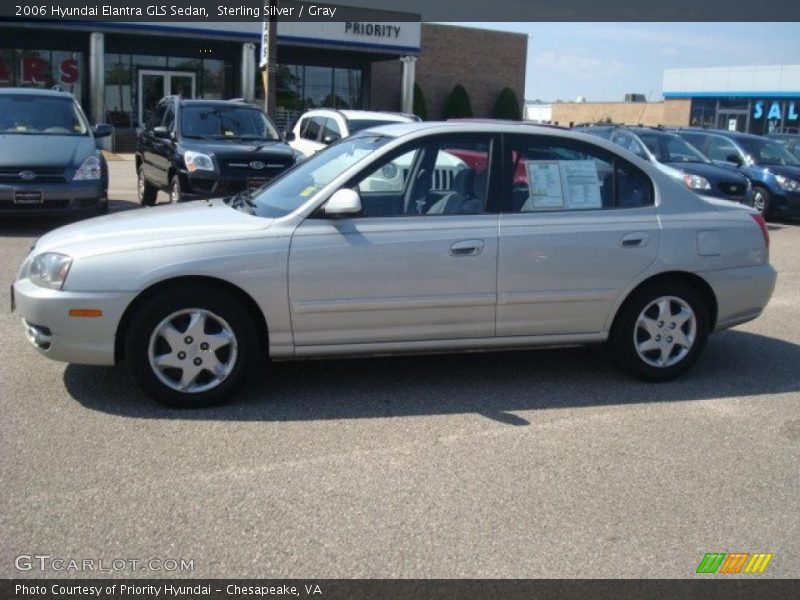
{"type": "Point", "coordinates": [29, 114]}
{"type": "Point", "coordinates": [671, 148]}
{"type": "Point", "coordinates": [210, 121]}
{"type": "Point", "coordinates": [767, 152]}
{"type": "Point", "coordinates": [289, 191]}
{"type": "Point", "coordinates": [356, 125]}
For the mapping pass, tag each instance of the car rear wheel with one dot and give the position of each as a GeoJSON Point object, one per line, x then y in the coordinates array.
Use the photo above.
{"type": "Point", "coordinates": [191, 352]}
{"type": "Point", "coordinates": [147, 192]}
{"type": "Point", "coordinates": [661, 331]}
{"type": "Point", "coordinates": [761, 200]}
{"type": "Point", "coordinates": [175, 193]}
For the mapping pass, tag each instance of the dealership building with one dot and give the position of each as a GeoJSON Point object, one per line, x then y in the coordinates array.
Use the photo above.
{"type": "Point", "coordinates": [752, 99]}
{"type": "Point", "coordinates": [119, 70]}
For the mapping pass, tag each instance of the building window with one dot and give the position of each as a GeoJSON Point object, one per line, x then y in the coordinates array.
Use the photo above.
{"type": "Point", "coordinates": [704, 112]}
{"type": "Point", "coordinates": [42, 69]}
{"type": "Point", "coordinates": [118, 90]}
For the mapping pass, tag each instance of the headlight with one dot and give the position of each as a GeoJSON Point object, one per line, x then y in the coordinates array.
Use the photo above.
{"type": "Point", "coordinates": [89, 169]}
{"type": "Point", "coordinates": [696, 182]}
{"type": "Point", "coordinates": [50, 270]}
{"type": "Point", "coordinates": [196, 161]}
{"type": "Point", "coordinates": [790, 185]}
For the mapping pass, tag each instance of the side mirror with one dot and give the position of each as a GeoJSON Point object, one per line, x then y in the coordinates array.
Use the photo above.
{"type": "Point", "coordinates": [734, 158]}
{"type": "Point", "coordinates": [343, 202]}
{"type": "Point", "coordinates": [161, 132]}
{"type": "Point", "coordinates": [102, 130]}
{"type": "Point", "coordinates": [330, 138]}
{"type": "Point", "coordinates": [288, 136]}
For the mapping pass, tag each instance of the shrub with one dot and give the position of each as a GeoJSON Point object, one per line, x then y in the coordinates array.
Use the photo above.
{"type": "Point", "coordinates": [420, 106]}
{"type": "Point", "coordinates": [506, 105]}
{"type": "Point", "coordinates": [458, 105]}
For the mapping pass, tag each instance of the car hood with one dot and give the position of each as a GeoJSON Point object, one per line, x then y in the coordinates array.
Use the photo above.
{"type": "Point", "coordinates": [24, 150]}
{"type": "Point", "coordinates": [239, 149]}
{"type": "Point", "coordinates": [195, 222]}
{"type": "Point", "coordinates": [710, 171]}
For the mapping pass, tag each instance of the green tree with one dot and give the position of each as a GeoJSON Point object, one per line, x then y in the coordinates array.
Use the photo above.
{"type": "Point", "coordinates": [506, 106]}
{"type": "Point", "coordinates": [420, 106]}
{"type": "Point", "coordinates": [458, 105]}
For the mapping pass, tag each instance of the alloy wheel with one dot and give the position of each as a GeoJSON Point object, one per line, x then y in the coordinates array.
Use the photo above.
{"type": "Point", "coordinates": [665, 331]}
{"type": "Point", "coordinates": [192, 350]}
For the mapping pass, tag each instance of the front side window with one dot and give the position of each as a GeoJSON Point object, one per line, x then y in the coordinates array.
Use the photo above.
{"type": "Point", "coordinates": [720, 148]}
{"type": "Point", "coordinates": [436, 176]}
{"type": "Point", "coordinates": [312, 128]}
{"type": "Point", "coordinates": [26, 114]}
{"type": "Point", "coordinates": [214, 121]}
{"type": "Point", "coordinates": [292, 189]}
{"type": "Point", "coordinates": [562, 175]}
{"type": "Point", "coordinates": [768, 152]}
{"type": "Point", "coordinates": [671, 148]}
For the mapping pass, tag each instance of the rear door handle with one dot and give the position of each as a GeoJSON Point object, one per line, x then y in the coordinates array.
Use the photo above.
{"type": "Point", "coordinates": [467, 248]}
{"type": "Point", "coordinates": [637, 239]}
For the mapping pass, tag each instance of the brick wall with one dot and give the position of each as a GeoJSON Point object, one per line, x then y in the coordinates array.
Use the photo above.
{"type": "Point", "coordinates": [483, 61]}
{"type": "Point", "coordinates": [673, 112]}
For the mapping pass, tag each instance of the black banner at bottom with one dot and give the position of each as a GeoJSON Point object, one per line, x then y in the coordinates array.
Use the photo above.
{"type": "Point", "coordinates": [396, 589]}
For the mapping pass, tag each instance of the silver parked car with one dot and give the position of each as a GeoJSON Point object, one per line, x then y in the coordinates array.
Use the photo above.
{"type": "Point", "coordinates": [541, 237]}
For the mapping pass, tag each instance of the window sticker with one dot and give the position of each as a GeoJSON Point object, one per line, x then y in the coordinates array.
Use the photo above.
{"type": "Point", "coordinates": [566, 184]}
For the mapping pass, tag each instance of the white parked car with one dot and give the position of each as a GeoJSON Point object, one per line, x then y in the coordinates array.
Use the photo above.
{"type": "Point", "coordinates": [319, 127]}
{"type": "Point", "coordinates": [544, 237]}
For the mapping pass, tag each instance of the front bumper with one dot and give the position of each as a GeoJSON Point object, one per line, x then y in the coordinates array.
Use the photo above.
{"type": "Point", "coordinates": [786, 203]}
{"type": "Point", "coordinates": [64, 197]}
{"type": "Point", "coordinates": [205, 184]}
{"type": "Point", "coordinates": [746, 198]}
{"type": "Point", "coordinates": [59, 336]}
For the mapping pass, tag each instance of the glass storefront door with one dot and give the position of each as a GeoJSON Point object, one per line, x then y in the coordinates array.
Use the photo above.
{"type": "Point", "coordinates": [154, 85]}
{"type": "Point", "coordinates": [733, 120]}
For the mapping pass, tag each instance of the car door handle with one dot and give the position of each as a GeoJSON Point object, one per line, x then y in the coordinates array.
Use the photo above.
{"type": "Point", "coordinates": [467, 248]}
{"type": "Point", "coordinates": [637, 239]}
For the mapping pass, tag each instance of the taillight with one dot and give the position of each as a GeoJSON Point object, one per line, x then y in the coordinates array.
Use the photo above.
{"type": "Point", "coordinates": [762, 224]}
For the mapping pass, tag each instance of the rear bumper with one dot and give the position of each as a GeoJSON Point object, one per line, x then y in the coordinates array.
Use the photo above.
{"type": "Point", "coordinates": [58, 336]}
{"type": "Point", "coordinates": [57, 198]}
{"type": "Point", "coordinates": [742, 293]}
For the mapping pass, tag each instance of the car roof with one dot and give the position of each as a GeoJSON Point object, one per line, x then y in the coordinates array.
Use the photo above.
{"type": "Point", "coordinates": [722, 132]}
{"type": "Point", "coordinates": [35, 92]}
{"type": "Point", "coordinates": [401, 129]}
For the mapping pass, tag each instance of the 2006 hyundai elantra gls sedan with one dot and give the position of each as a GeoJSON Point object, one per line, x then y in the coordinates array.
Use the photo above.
{"type": "Point", "coordinates": [416, 237]}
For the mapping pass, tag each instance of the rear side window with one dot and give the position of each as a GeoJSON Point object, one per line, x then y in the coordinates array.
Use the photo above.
{"type": "Point", "coordinates": [561, 175]}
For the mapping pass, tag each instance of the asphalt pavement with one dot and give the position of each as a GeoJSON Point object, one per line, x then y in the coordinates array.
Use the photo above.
{"type": "Point", "coordinates": [543, 463]}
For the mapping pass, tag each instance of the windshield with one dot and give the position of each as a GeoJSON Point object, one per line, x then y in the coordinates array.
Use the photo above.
{"type": "Point", "coordinates": [767, 152]}
{"type": "Point", "coordinates": [289, 191]}
{"type": "Point", "coordinates": [28, 114]}
{"type": "Point", "coordinates": [671, 148]}
{"type": "Point", "coordinates": [357, 125]}
{"type": "Point", "coordinates": [208, 121]}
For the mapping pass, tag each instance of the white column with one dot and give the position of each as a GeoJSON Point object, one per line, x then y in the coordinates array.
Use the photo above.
{"type": "Point", "coordinates": [248, 73]}
{"type": "Point", "coordinates": [407, 94]}
{"type": "Point", "coordinates": [97, 77]}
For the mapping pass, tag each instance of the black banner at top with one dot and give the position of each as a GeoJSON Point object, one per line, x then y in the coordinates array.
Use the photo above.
{"type": "Point", "coordinates": [394, 10]}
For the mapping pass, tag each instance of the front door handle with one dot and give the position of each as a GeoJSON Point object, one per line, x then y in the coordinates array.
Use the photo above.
{"type": "Point", "coordinates": [467, 248]}
{"type": "Point", "coordinates": [637, 239]}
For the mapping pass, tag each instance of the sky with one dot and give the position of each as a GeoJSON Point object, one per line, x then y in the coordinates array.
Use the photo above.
{"type": "Point", "coordinates": [604, 61]}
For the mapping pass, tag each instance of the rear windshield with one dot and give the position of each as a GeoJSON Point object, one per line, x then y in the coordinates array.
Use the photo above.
{"type": "Point", "coordinates": [29, 114]}
{"type": "Point", "coordinates": [208, 121]}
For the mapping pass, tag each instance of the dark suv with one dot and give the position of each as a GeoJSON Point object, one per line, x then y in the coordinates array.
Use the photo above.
{"type": "Point", "coordinates": [208, 148]}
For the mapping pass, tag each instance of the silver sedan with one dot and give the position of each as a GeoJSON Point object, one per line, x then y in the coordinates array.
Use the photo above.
{"type": "Point", "coordinates": [420, 237]}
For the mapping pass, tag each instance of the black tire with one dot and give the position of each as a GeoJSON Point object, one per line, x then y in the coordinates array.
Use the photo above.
{"type": "Point", "coordinates": [102, 207]}
{"type": "Point", "coordinates": [175, 192]}
{"type": "Point", "coordinates": [146, 191]}
{"type": "Point", "coordinates": [153, 312]}
{"type": "Point", "coordinates": [625, 331]}
{"type": "Point", "coordinates": [762, 200]}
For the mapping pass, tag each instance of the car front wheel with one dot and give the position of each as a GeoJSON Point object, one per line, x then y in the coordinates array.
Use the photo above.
{"type": "Point", "coordinates": [175, 193]}
{"type": "Point", "coordinates": [191, 352]}
{"type": "Point", "coordinates": [761, 200]}
{"type": "Point", "coordinates": [661, 331]}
